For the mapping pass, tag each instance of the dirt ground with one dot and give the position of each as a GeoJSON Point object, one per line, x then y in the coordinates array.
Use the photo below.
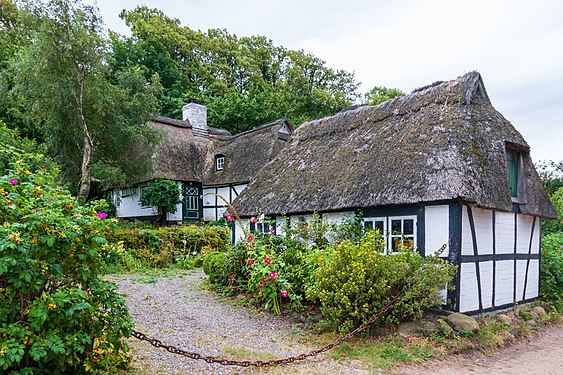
{"type": "Point", "coordinates": [542, 355]}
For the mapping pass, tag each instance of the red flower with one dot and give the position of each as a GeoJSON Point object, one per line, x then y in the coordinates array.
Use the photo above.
{"type": "Point", "coordinates": [267, 260]}
{"type": "Point", "coordinates": [250, 238]}
{"type": "Point", "coordinates": [284, 293]}
{"type": "Point", "coordinates": [276, 274]}
{"type": "Point", "coordinates": [229, 218]}
{"type": "Point", "coordinates": [250, 262]}
{"type": "Point", "coordinates": [9, 202]}
{"type": "Point", "coordinates": [253, 219]}
{"type": "Point", "coordinates": [272, 275]}
{"type": "Point", "coordinates": [273, 232]}
{"type": "Point", "coordinates": [264, 281]}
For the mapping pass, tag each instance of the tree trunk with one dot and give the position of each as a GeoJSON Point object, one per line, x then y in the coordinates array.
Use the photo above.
{"type": "Point", "coordinates": [85, 178]}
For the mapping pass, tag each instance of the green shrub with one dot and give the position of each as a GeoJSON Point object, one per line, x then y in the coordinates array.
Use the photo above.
{"type": "Point", "coordinates": [56, 314]}
{"type": "Point", "coordinates": [551, 286]}
{"type": "Point", "coordinates": [163, 246]}
{"type": "Point", "coordinates": [215, 266]}
{"type": "Point", "coordinates": [357, 280]}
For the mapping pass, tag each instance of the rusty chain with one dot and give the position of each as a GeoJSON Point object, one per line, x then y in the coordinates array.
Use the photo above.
{"type": "Point", "coordinates": [274, 362]}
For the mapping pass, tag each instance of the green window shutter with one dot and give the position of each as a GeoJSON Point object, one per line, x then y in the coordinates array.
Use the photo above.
{"type": "Point", "coordinates": [512, 160]}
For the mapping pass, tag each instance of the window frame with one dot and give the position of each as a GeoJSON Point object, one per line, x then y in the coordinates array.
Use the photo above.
{"type": "Point", "coordinates": [388, 236]}
{"type": "Point", "coordinates": [219, 163]}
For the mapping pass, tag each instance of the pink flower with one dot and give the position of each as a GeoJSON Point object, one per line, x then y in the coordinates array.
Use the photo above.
{"type": "Point", "coordinates": [253, 219]}
{"type": "Point", "coordinates": [272, 275]}
{"type": "Point", "coordinates": [267, 260]}
{"type": "Point", "coordinates": [102, 215]}
{"type": "Point", "coordinates": [250, 238]}
{"type": "Point", "coordinates": [250, 262]}
{"type": "Point", "coordinates": [59, 187]}
{"type": "Point", "coordinates": [273, 232]}
{"type": "Point", "coordinates": [276, 274]}
{"type": "Point", "coordinates": [229, 218]}
{"type": "Point", "coordinates": [284, 293]}
{"type": "Point", "coordinates": [14, 182]}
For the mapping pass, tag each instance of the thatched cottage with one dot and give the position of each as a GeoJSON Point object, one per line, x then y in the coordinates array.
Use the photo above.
{"type": "Point", "coordinates": [440, 165]}
{"type": "Point", "coordinates": [206, 162]}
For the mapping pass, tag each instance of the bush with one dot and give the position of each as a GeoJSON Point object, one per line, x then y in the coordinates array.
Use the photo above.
{"type": "Point", "coordinates": [551, 286]}
{"type": "Point", "coordinates": [356, 280]}
{"type": "Point", "coordinates": [57, 315]}
{"type": "Point", "coordinates": [161, 247]}
{"type": "Point", "coordinates": [215, 266]}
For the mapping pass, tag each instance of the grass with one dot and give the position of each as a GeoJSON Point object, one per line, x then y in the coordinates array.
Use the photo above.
{"type": "Point", "coordinates": [385, 353]}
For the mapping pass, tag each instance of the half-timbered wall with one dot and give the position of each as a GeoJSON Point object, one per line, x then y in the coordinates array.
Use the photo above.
{"type": "Point", "coordinates": [499, 263]}
{"type": "Point", "coordinates": [213, 205]}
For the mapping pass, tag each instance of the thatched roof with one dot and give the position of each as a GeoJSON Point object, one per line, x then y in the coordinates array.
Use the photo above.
{"type": "Point", "coordinates": [184, 156]}
{"type": "Point", "coordinates": [441, 142]}
{"type": "Point", "coordinates": [246, 153]}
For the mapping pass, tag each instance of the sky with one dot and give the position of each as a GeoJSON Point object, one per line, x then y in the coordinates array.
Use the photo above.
{"type": "Point", "coordinates": [517, 46]}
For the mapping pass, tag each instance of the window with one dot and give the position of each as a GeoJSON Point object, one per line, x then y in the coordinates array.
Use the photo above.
{"type": "Point", "coordinates": [396, 230]}
{"type": "Point", "coordinates": [265, 227]}
{"type": "Point", "coordinates": [128, 192]}
{"type": "Point", "coordinates": [219, 162]}
{"type": "Point", "coordinates": [513, 162]}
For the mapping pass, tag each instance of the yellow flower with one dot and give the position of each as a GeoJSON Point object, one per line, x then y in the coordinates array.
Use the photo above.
{"type": "Point", "coordinates": [87, 367]}
{"type": "Point", "coordinates": [52, 306]}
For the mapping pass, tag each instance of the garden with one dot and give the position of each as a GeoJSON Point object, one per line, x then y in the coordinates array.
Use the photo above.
{"type": "Point", "coordinates": [60, 314]}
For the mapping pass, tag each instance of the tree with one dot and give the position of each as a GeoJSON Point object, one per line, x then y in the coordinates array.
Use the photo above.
{"type": "Point", "coordinates": [82, 107]}
{"type": "Point", "coordinates": [379, 94]}
{"type": "Point", "coordinates": [245, 82]}
{"type": "Point", "coordinates": [163, 194]}
{"type": "Point", "coordinates": [551, 174]}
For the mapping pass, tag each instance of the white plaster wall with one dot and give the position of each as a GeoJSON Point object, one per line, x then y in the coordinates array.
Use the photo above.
{"type": "Point", "coordinates": [523, 232]}
{"type": "Point", "coordinates": [486, 271]}
{"type": "Point", "coordinates": [209, 214]}
{"type": "Point", "coordinates": [532, 288]}
{"type": "Point", "coordinates": [504, 232]}
{"type": "Point", "coordinates": [130, 207]}
{"type": "Point", "coordinates": [337, 217]}
{"type": "Point", "coordinates": [223, 192]}
{"type": "Point", "coordinates": [483, 221]}
{"type": "Point", "coordinates": [469, 297]}
{"type": "Point", "coordinates": [520, 278]}
{"type": "Point", "coordinates": [281, 224]}
{"type": "Point", "coordinates": [504, 282]}
{"type": "Point", "coordinates": [437, 229]}
{"type": "Point", "coordinates": [208, 196]}
{"type": "Point", "coordinates": [239, 233]}
{"type": "Point", "coordinates": [536, 244]}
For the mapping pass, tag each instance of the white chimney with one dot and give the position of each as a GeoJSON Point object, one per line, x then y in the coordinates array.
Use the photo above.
{"type": "Point", "coordinates": [196, 114]}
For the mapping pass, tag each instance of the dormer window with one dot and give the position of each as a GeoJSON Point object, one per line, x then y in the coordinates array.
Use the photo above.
{"type": "Point", "coordinates": [513, 162]}
{"type": "Point", "coordinates": [219, 162]}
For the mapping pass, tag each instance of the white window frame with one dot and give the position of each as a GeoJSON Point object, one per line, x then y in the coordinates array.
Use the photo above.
{"type": "Point", "coordinates": [392, 236]}
{"type": "Point", "coordinates": [129, 192]}
{"type": "Point", "coordinates": [219, 163]}
{"type": "Point", "coordinates": [387, 235]}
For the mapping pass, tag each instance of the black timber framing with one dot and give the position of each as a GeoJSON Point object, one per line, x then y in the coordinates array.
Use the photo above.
{"type": "Point", "coordinates": [454, 255]}
{"type": "Point", "coordinates": [529, 258]}
{"type": "Point", "coordinates": [476, 255]}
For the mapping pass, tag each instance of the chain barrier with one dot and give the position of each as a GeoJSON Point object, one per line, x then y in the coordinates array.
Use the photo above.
{"type": "Point", "coordinates": [274, 362]}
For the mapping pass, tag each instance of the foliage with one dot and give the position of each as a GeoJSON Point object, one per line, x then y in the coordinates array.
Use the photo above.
{"type": "Point", "coordinates": [357, 280]}
{"type": "Point", "coordinates": [57, 315]}
{"type": "Point", "coordinates": [163, 194]}
{"type": "Point", "coordinates": [378, 95]}
{"type": "Point", "coordinates": [245, 82]}
{"type": "Point", "coordinates": [551, 174]}
{"type": "Point", "coordinates": [90, 117]}
{"type": "Point", "coordinates": [133, 246]}
{"type": "Point", "coordinates": [555, 225]}
{"type": "Point", "coordinates": [551, 286]}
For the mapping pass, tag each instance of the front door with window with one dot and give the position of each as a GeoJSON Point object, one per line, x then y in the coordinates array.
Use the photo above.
{"type": "Point", "coordinates": [193, 209]}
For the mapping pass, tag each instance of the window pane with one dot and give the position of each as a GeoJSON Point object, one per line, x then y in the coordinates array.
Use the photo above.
{"type": "Point", "coordinates": [368, 225]}
{"type": "Point", "coordinates": [396, 226]}
{"type": "Point", "coordinates": [408, 226]}
{"type": "Point", "coordinates": [379, 226]}
{"type": "Point", "coordinates": [512, 161]}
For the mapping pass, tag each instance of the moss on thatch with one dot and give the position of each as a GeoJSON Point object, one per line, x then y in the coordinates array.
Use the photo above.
{"type": "Point", "coordinates": [443, 141]}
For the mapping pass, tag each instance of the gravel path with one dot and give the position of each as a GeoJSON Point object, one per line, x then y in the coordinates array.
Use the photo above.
{"type": "Point", "coordinates": [179, 311]}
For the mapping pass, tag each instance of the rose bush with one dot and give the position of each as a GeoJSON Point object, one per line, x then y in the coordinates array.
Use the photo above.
{"type": "Point", "coordinates": [56, 314]}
